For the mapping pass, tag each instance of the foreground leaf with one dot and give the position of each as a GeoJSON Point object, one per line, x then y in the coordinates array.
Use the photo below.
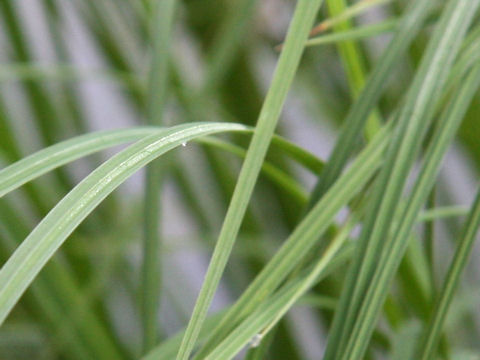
{"type": "Point", "coordinates": [27, 261]}
{"type": "Point", "coordinates": [301, 23]}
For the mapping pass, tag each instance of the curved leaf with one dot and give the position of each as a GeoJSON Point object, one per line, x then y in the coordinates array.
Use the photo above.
{"type": "Point", "coordinates": [43, 161]}
{"type": "Point", "coordinates": [27, 261]}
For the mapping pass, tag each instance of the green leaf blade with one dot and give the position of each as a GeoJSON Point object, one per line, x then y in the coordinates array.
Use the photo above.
{"type": "Point", "coordinates": [47, 237]}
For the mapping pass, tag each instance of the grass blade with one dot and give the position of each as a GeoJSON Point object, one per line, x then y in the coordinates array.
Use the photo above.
{"type": "Point", "coordinates": [162, 24]}
{"type": "Point", "coordinates": [432, 331]}
{"type": "Point", "coordinates": [393, 250]}
{"type": "Point", "coordinates": [347, 13]}
{"type": "Point", "coordinates": [408, 27]}
{"type": "Point", "coordinates": [429, 240]}
{"type": "Point", "coordinates": [412, 125]}
{"type": "Point", "coordinates": [63, 153]}
{"type": "Point", "coordinates": [352, 60]}
{"type": "Point", "coordinates": [168, 349]}
{"type": "Point", "coordinates": [22, 267]}
{"type": "Point", "coordinates": [287, 65]}
{"type": "Point", "coordinates": [302, 240]}
{"type": "Point", "coordinates": [355, 33]}
{"type": "Point", "coordinates": [283, 180]}
{"type": "Point", "coordinates": [268, 314]}
{"type": "Point", "coordinates": [43, 161]}
{"type": "Point", "coordinates": [442, 212]}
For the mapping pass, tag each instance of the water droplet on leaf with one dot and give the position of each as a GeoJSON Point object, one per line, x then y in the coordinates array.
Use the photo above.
{"type": "Point", "coordinates": [256, 339]}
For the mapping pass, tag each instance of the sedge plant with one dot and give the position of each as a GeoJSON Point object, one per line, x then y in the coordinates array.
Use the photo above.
{"type": "Point", "coordinates": [309, 179]}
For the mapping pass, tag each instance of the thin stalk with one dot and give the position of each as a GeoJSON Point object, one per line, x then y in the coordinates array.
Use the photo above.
{"type": "Point", "coordinates": [356, 33]}
{"type": "Point", "coordinates": [442, 138]}
{"type": "Point", "coordinates": [269, 312]}
{"type": "Point", "coordinates": [353, 61]}
{"type": "Point", "coordinates": [432, 331]}
{"type": "Point", "coordinates": [409, 26]}
{"type": "Point", "coordinates": [413, 122]}
{"type": "Point", "coordinates": [303, 18]}
{"type": "Point", "coordinates": [429, 233]}
{"type": "Point", "coordinates": [347, 13]}
{"type": "Point", "coordinates": [303, 238]}
{"type": "Point", "coordinates": [442, 213]}
{"type": "Point", "coordinates": [162, 23]}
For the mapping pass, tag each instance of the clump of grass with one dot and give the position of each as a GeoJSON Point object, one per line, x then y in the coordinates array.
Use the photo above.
{"type": "Point", "coordinates": [369, 280]}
